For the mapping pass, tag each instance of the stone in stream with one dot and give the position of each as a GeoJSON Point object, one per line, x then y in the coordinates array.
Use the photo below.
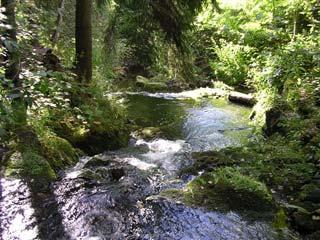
{"type": "Point", "coordinates": [150, 84]}
{"type": "Point", "coordinates": [314, 196]}
{"type": "Point", "coordinates": [97, 161]}
{"type": "Point", "coordinates": [149, 133]}
{"type": "Point", "coordinates": [306, 222]}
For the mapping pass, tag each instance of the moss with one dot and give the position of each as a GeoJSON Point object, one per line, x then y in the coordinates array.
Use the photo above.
{"type": "Point", "coordinates": [97, 142]}
{"type": "Point", "coordinates": [226, 157]}
{"type": "Point", "coordinates": [149, 133]}
{"type": "Point", "coordinates": [97, 126]}
{"type": "Point", "coordinates": [210, 160]}
{"type": "Point", "coordinates": [59, 152]}
{"type": "Point", "coordinates": [226, 188]}
{"type": "Point", "coordinates": [306, 189]}
{"type": "Point", "coordinates": [172, 193]}
{"type": "Point", "coordinates": [280, 219]}
{"type": "Point", "coordinates": [151, 85]}
{"type": "Point", "coordinates": [29, 164]}
{"type": "Point", "coordinates": [39, 154]}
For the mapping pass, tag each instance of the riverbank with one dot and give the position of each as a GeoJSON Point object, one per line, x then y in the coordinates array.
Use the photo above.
{"type": "Point", "coordinates": [267, 175]}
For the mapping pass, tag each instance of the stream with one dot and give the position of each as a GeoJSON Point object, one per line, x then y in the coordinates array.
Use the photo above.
{"type": "Point", "coordinates": [113, 195]}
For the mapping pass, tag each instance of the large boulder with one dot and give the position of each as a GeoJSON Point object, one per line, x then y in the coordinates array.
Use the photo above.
{"type": "Point", "coordinates": [228, 189]}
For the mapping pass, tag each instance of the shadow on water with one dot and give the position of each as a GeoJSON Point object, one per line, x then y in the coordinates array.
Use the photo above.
{"type": "Point", "coordinates": [1, 227]}
{"type": "Point", "coordinates": [2, 165]}
{"type": "Point", "coordinates": [28, 208]}
{"type": "Point", "coordinates": [46, 210]}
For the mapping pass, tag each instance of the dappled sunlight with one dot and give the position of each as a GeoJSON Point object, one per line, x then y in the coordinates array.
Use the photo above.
{"type": "Point", "coordinates": [233, 3]}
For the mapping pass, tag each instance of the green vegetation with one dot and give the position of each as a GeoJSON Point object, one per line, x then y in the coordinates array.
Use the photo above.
{"type": "Point", "coordinates": [29, 164]}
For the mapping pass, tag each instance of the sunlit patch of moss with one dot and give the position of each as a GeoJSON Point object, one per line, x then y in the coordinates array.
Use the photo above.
{"type": "Point", "coordinates": [149, 133]}
{"type": "Point", "coordinates": [29, 164]}
{"type": "Point", "coordinates": [226, 188]}
{"type": "Point", "coordinates": [172, 193]}
{"type": "Point", "coordinates": [280, 219]}
{"type": "Point", "coordinates": [151, 85]}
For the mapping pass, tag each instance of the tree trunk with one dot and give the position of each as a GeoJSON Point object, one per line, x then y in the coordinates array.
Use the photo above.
{"type": "Point", "coordinates": [12, 63]}
{"type": "Point", "coordinates": [56, 34]}
{"type": "Point", "coordinates": [294, 31]}
{"type": "Point", "coordinates": [241, 98]}
{"type": "Point", "coordinates": [84, 40]}
{"type": "Point", "coordinates": [10, 43]}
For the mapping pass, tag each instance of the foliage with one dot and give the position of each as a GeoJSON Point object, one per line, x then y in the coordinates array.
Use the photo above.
{"type": "Point", "coordinates": [29, 164]}
{"type": "Point", "coordinates": [232, 63]}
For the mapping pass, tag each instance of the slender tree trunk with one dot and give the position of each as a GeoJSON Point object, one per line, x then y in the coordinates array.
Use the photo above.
{"type": "Point", "coordinates": [295, 22]}
{"type": "Point", "coordinates": [10, 43]}
{"type": "Point", "coordinates": [273, 11]}
{"type": "Point", "coordinates": [12, 65]}
{"type": "Point", "coordinates": [56, 34]}
{"type": "Point", "coordinates": [84, 40]}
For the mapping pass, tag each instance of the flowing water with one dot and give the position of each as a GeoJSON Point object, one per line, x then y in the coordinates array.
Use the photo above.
{"type": "Point", "coordinates": [108, 196]}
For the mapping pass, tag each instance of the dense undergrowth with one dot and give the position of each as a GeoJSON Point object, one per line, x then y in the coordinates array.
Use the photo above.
{"type": "Point", "coordinates": [64, 120]}
{"type": "Point", "coordinates": [268, 48]}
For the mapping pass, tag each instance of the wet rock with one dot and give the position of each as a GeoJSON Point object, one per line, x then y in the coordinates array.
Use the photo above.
{"type": "Point", "coordinates": [213, 159]}
{"type": "Point", "coordinates": [149, 133]}
{"type": "Point", "coordinates": [95, 142]}
{"type": "Point", "coordinates": [313, 236]}
{"type": "Point", "coordinates": [96, 161]}
{"type": "Point", "coordinates": [90, 175]}
{"type": "Point", "coordinates": [306, 222]}
{"type": "Point", "coordinates": [117, 173]}
{"type": "Point", "coordinates": [273, 117]}
{"type": "Point", "coordinates": [314, 196]}
{"type": "Point", "coordinates": [150, 85]}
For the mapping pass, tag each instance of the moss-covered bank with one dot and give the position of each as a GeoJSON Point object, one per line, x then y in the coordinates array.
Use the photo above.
{"type": "Point", "coordinates": [39, 156]}
{"type": "Point", "coordinates": [263, 176]}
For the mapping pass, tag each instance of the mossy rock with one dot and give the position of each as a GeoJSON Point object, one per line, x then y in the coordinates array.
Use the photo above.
{"type": "Point", "coordinates": [172, 193]}
{"type": "Point", "coordinates": [97, 142]}
{"type": "Point", "coordinates": [306, 222]}
{"type": "Point", "coordinates": [150, 85]}
{"type": "Point", "coordinates": [29, 164]}
{"type": "Point", "coordinates": [97, 161]}
{"type": "Point", "coordinates": [228, 189]}
{"type": "Point", "coordinates": [149, 133]}
{"type": "Point", "coordinates": [93, 140]}
{"type": "Point", "coordinates": [90, 175]}
{"type": "Point", "coordinates": [59, 152]}
{"type": "Point", "coordinates": [211, 160]}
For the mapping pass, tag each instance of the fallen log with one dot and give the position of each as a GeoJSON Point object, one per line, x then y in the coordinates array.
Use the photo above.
{"type": "Point", "coordinates": [242, 98]}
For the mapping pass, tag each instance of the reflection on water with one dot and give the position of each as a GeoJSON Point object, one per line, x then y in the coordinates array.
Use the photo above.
{"type": "Point", "coordinates": [108, 196]}
{"type": "Point", "coordinates": [205, 125]}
